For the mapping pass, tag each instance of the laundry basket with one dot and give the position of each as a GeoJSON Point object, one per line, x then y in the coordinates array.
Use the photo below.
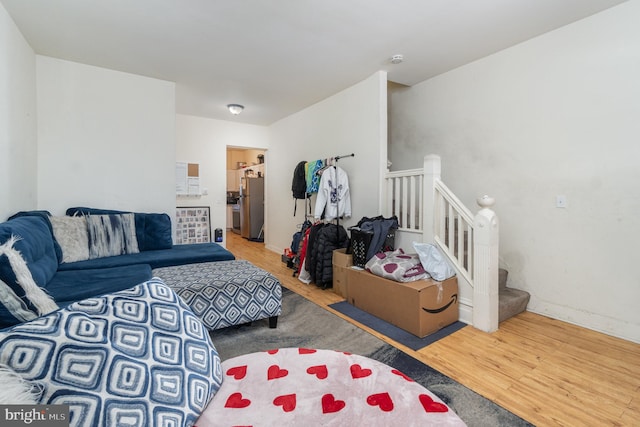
{"type": "Point", "coordinates": [361, 240]}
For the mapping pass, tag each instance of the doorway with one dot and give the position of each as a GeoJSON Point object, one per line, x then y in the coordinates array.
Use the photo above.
{"type": "Point", "coordinates": [246, 175]}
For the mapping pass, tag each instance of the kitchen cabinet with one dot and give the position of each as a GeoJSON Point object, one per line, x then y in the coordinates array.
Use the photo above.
{"type": "Point", "coordinates": [233, 180]}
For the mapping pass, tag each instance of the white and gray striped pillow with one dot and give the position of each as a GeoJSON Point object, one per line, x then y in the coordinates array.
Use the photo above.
{"type": "Point", "coordinates": [111, 235]}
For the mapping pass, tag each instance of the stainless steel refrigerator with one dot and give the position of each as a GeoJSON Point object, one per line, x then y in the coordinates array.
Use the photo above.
{"type": "Point", "coordinates": [251, 207]}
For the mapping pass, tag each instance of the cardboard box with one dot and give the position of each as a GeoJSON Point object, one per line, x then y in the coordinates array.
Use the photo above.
{"type": "Point", "coordinates": [342, 262]}
{"type": "Point", "coordinates": [421, 307]}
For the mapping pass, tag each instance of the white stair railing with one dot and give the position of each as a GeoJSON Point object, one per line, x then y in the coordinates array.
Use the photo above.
{"type": "Point", "coordinates": [453, 229]}
{"type": "Point", "coordinates": [425, 205]}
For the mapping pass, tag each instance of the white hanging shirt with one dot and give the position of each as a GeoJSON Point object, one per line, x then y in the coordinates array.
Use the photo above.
{"type": "Point", "coordinates": [333, 194]}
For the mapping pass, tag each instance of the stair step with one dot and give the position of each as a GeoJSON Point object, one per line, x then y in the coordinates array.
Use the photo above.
{"type": "Point", "coordinates": [502, 278]}
{"type": "Point", "coordinates": [511, 301]}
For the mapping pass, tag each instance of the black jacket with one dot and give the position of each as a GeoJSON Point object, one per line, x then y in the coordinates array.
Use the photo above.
{"type": "Point", "coordinates": [329, 237]}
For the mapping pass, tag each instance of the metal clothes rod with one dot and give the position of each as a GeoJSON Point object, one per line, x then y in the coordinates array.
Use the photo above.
{"type": "Point", "coordinates": [346, 155]}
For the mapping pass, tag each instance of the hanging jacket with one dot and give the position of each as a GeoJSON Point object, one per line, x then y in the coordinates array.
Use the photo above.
{"type": "Point", "coordinates": [299, 184]}
{"type": "Point", "coordinates": [333, 198]}
{"type": "Point", "coordinates": [329, 238]}
{"type": "Point", "coordinates": [312, 253]}
{"type": "Point", "coordinates": [313, 177]}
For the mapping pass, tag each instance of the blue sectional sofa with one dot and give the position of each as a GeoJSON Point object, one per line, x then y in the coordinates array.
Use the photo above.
{"type": "Point", "coordinates": [31, 235]}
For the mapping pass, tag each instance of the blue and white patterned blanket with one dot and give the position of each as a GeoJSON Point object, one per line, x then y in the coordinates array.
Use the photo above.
{"type": "Point", "coordinates": [136, 357]}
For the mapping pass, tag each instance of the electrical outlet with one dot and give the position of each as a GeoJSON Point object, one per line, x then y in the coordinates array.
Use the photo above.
{"type": "Point", "coordinates": [561, 201]}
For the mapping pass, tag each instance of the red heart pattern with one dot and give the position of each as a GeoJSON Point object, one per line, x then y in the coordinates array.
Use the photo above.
{"type": "Point", "coordinates": [304, 376]}
{"type": "Point", "coordinates": [430, 406]}
{"type": "Point", "coordinates": [287, 401]}
{"type": "Point", "coordinates": [237, 372]}
{"type": "Point", "coordinates": [358, 372]}
{"type": "Point", "coordinates": [395, 371]}
{"type": "Point", "coordinates": [319, 371]}
{"type": "Point", "coordinates": [330, 404]}
{"type": "Point", "coordinates": [382, 400]}
{"type": "Point", "coordinates": [236, 400]}
{"type": "Point", "coordinates": [274, 372]}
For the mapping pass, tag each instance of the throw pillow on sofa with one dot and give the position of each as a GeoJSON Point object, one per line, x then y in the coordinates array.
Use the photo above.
{"type": "Point", "coordinates": [13, 307]}
{"type": "Point", "coordinates": [72, 236]}
{"type": "Point", "coordinates": [27, 258]}
{"type": "Point", "coordinates": [111, 235]}
{"type": "Point", "coordinates": [15, 310]}
{"type": "Point", "coordinates": [153, 230]}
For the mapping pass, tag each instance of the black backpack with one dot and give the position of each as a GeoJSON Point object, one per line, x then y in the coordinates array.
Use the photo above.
{"type": "Point", "coordinates": [299, 184]}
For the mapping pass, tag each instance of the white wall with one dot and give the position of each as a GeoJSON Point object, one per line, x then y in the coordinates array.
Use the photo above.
{"type": "Point", "coordinates": [18, 128]}
{"type": "Point", "coordinates": [352, 121]}
{"type": "Point", "coordinates": [204, 141]}
{"type": "Point", "coordinates": [557, 115]}
{"type": "Point", "coordinates": [106, 139]}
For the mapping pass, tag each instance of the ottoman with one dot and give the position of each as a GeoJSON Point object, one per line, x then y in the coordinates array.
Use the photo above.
{"type": "Point", "coordinates": [226, 293]}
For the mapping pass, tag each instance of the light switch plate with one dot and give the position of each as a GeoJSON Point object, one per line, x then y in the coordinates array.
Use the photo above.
{"type": "Point", "coordinates": [561, 201]}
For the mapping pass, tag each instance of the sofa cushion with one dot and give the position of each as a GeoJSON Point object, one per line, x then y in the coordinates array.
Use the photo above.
{"type": "Point", "coordinates": [67, 287]}
{"type": "Point", "coordinates": [153, 230]}
{"type": "Point", "coordinates": [138, 355]}
{"type": "Point", "coordinates": [46, 215]}
{"type": "Point", "coordinates": [157, 231]}
{"type": "Point", "coordinates": [35, 244]}
{"type": "Point", "coordinates": [71, 234]}
{"type": "Point", "coordinates": [179, 254]}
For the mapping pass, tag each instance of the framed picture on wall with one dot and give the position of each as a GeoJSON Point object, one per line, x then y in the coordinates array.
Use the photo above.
{"type": "Point", "coordinates": [193, 225]}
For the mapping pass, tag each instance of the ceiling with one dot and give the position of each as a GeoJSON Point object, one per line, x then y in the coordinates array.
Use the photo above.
{"type": "Point", "coordinates": [277, 57]}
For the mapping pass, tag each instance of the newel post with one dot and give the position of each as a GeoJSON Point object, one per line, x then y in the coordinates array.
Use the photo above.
{"type": "Point", "coordinates": [431, 175]}
{"type": "Point", "coordinates": [485, 268]}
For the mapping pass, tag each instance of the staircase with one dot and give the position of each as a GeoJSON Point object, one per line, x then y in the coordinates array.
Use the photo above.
{"type": "Point", "coordinates": [511, 301]}
{"type": "Point", "coordinates": [428, 211]}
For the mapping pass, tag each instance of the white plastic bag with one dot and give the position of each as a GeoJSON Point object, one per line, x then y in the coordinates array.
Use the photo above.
{"type": "Point", "coordinates": [433, 261]}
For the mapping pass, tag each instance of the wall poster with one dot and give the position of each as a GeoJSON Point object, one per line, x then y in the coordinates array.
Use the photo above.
{"type": "Point", "coordinates": [187, 179]}
{"type": "Point", "coordinates": [193, 225]}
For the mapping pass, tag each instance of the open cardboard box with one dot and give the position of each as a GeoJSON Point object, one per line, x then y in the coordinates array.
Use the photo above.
{"type": "Point", "coordinates": [342, 262]}
{"type": "Point", "coordinates": [421, 307]}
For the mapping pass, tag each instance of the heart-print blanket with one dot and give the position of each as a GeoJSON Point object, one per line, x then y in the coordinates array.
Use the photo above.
{"type": "Point", "coordinates": [309, 387]}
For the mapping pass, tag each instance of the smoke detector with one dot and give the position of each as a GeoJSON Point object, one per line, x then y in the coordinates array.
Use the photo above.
{"type": "Point", "coordinates": [396, 59]}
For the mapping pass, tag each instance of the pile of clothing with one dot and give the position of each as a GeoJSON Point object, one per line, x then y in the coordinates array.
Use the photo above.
{"type": "Point", "coordinates": [316, 253]}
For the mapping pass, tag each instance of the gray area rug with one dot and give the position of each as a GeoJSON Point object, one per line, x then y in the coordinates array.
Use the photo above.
{"type": "Point", "coordinates": [305, 324]}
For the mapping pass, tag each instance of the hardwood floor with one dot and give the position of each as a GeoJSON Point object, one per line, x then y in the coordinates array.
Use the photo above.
{"type": "Point", "coordinates": [546, 371]}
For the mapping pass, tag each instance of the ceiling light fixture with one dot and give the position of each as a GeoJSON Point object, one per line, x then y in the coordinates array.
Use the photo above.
{"type": "Point", "coordinates": [235, 109]}
{"type": "Point", "coordinates": [396, 59]}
